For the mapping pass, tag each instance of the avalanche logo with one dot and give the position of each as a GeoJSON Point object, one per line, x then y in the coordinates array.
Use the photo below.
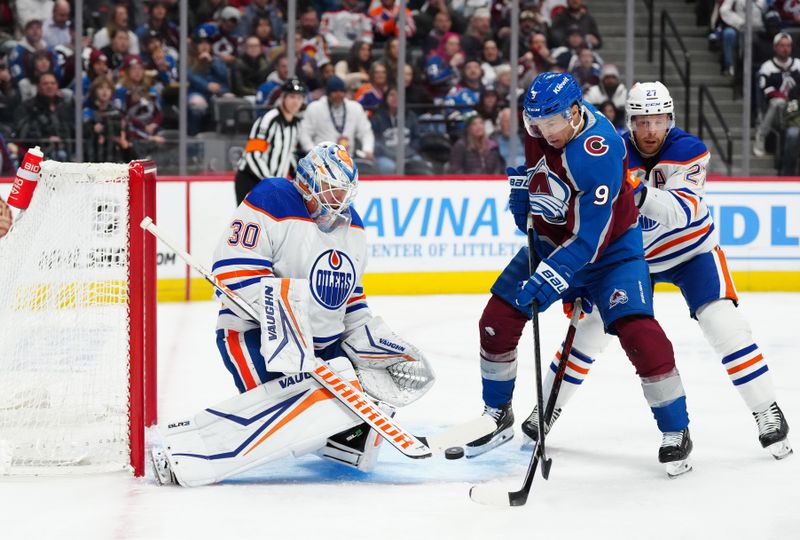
{"type": "Point", "coordinates": [595, 145]}
{"type": "Point", "coordinates": [551, 196]}
{"type": "Point", "coordinates": [332, 279]}
{"type": "Point", "coordinates": [617, 297]}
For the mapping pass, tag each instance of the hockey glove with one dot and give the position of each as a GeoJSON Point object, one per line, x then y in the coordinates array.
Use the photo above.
{"type": "Point", "coordinates": [545, 286]}
{"type": "Point", "coordinates": [518, 201]}
{"type": "Point", "coordinates": [569, 302]}
{"type": "Point", "coordinates": [639, 189]}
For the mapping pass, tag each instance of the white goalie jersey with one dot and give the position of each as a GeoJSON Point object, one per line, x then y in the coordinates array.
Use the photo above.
{"type": "Point", "coordinates": [271, 234]}
{"type": "Point", "coordinates": [675, 220]}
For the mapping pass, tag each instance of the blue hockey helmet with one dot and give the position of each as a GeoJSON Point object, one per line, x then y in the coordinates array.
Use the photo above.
{"type": "Point", "coordinates": [550, 94]}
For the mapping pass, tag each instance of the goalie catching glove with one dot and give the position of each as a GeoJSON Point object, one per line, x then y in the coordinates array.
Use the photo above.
{"type": "Point", "coordinates": [390, 369]}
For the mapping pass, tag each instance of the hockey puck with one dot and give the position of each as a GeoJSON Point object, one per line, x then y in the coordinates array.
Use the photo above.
{"type": "Point", "coordinates": [454, 452]}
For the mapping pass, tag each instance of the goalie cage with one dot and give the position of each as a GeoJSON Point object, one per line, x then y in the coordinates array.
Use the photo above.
{"type": "Point", "coordinates": [77, 322]}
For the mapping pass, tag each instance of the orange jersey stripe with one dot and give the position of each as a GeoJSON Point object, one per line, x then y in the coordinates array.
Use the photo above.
{"type": "Point", "coordinates": [357, 298]}
{"type": "Point", "coordinates": [679, 240]}
{"type": "Point", "coordinates": [746, 365]}
{"type": "Point", "coordinates": [701, 156]}
{"type": "Point", "coordinates": [238, 356]}
{"type": "Point", "coordinates": [285, 298]}
{"type": "Point", "coordinates": [244, 273]}
{"type": "Point", "coordinates": [689, 198]}
{"type": "Point", "coordinates": [730, 290]}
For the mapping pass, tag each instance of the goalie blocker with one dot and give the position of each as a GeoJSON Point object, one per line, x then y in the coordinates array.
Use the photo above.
{"type": "Point", "coordinates": [293, 414]}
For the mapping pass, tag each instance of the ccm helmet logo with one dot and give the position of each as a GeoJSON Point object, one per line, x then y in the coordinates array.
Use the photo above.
{"type": "Point", "coordinates": [595, 145]}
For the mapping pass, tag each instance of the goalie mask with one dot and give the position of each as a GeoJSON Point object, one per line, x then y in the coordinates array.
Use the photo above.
{"type": "Point", "coordinates": [327, 179]}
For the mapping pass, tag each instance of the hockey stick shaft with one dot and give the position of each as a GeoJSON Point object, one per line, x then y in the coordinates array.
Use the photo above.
{"type": "Point", "coordinates": [350, 396]}
{"type": "Point", "coordinates": [533, 262]}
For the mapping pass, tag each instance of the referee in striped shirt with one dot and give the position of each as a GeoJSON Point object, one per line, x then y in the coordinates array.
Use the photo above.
{"type": "Point", "coordinates": [269, 152]}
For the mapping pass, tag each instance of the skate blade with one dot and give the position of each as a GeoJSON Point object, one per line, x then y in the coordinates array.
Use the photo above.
{"type": "Point", "coordinates": [499, 439]}
{"type": "Point", "coordinates": [780, 449]}
{"type": "Point", "coordinates": [678, 468]}
{"type": "Point", "coordinates": [163, 475]}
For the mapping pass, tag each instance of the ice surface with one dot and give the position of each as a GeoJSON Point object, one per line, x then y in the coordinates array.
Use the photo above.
{"type": "Point", "coordinates": [605, 482]}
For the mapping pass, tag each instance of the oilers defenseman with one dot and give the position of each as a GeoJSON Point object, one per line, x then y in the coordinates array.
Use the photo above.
{"type": "Point", "coordinates": [296, 251]}
{"type": "Point", "coordinates": [588, 240]}
{"type": "Point", "coordinates": [667, 169]}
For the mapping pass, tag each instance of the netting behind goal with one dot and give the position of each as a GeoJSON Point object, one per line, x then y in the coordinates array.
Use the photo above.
{"type": "Point", "coordinates": [73, 317]}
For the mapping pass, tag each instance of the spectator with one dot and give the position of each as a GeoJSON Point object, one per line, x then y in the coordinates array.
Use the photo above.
{"type": "Point", "coordinates": [426, 20]}
{"type": "Point", "coordinates": [530, 23]}
{"type": "Point", "coordinates": [268, 93]}
{"type": "Point", "coordinates": [344, 27]}
{"type": "Point", "coordinates": [566, 56]}
{"type": "Point", "coordinates": [98, 67]}
{"type": "Point", "coordinates": [391, 55]}
{"type": "Point", "coordinates": [226, 42]}
{"type": "Point", "coordinates": [449, 50]}
{"type": "Point", "coordinates": [266, 9]}
{"type": "Point", "coordinates": [337, 119]}
{"type": "Point", "coordinates": [56, 30]}
{"type": "Point", "coordinates": [488, 108]}
{"type": "Point", "coordinates": [791, 140]}
{"type": "Point", "coordinates": [370, 93]}
{"type": "Point", "coordinates": [586, 71]}
{"type": "Point", "coordinates": [21, 55]}
{"type": "Point", "coordinates": [250, 69]}
{"type": "Point", "coordinates": [208, 79]}
{"type": "Point", "coordinates": [536, 59]}
{"type": "Point", "coordinates": [442, 24]}
{"type": "Point", "coordinates": [206, 11]}
{"type": "Point", "coordinates": [617, 119]}
{"type": "Point", "coordinates": [467, 93]}
{"type": "Point", "coordinates": [478, 32]}
{"type": "Point", "coordinates": [9, 98]}
{"type": "Point", "coordinates": [40, 62]}
{"type": "Point", "coordinates": [502, 136]}
{"type": "Point", "coordinates": [118, 22]}
{"type": "Point", "coordinates": [356, 66]}
{"type": "Point", "coordinates": [789, 11]}
{"type": "Point", "coordinates": [104, 126]}
{"type": "Point", "coordinates": [158, 23]}
{"type": "Point", "coordinates": [502, 84]}
{"type": "Point", "coordinates": [385, 15]}
{"type": "Point", "coordinates": [384, 126]}
{"type": "Point", "coordinates": [262, 28]}
{"type": "Point", "coordinates": [732, 13]}
{"type": "Point", "coordinates": [47, 119]}
{"type": "Point", "coordinates": [609, 89]}
{"type": "Point", "coordinates": [439, 76]}
{"type": "Point", "coordinates": [474, 152]}
{"type": "Point", "coordinates": [117, 50]}
{"type": "Point", "coordinates": [415, 91]}
{"type": "Point", "coordinates": [779, 81]}
{"type": "Point", "coordinates": [578, 15]}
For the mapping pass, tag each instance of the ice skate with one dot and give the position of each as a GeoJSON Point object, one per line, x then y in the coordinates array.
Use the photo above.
{"type": "Point", "coordinates": [773, 431]}
{"type": "Point", "coordinates": [161, 468]}
{"type": "Point", "coordinates": [530, 427]}
{"type": "Point", "coordinates": [674, 452]}
{"type": "Point", "coordinates": [504, 418]}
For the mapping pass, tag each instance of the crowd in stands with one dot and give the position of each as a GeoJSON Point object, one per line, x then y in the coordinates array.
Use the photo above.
{"type": "Point", "coordinates": [457, 76]}
{"type": "Point", "coordinates": [775, 68]}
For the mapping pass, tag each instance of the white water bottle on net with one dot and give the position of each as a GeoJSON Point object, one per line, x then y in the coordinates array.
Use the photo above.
{"type": "Point", "coordinates": [77, 322]}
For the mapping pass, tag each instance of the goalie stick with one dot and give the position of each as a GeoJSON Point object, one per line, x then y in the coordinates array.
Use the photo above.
{"type": "Point", "coordinates": [347, 394]}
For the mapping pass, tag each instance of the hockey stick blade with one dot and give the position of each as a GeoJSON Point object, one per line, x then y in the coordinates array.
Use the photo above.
{"type": "Point", "coordinates": [494, 495]}
{"type": "Point", "coordinates": [351, 397]}
{"type": "Point", "coordinates": [460, 434]}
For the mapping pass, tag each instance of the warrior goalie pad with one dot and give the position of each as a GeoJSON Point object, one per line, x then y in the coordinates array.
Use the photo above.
{"type": "Point", "coordinates": [292, 415]}
{"type": "Point", "coordinates": [390, 369]}
{"type": "Point", "coordinates": [286, 337]}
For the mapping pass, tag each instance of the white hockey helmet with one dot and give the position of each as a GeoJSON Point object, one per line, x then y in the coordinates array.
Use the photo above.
{"type": "Point", "coordinates": [649, 98]}
{"type": "Point", "coordinates": [328, 175]}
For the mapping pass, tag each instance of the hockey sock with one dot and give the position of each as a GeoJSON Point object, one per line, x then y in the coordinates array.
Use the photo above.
{"type": "Point", "coordinates": [500, 328]}
{"type": "Point", "coordinates": [651, 353]}
{"type": "Point", "coordinates": [728, 332]}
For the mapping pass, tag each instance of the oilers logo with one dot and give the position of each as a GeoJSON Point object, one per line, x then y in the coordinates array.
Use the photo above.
{"type": "Point", "coordinates": [646, 223]}
{"type": "Point", "coordinates": [332, 279]}
{"type": "Point", "coordinates": [550, 198]}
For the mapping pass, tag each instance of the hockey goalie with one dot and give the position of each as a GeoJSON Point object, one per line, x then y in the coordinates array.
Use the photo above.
{"type": "Point", "coordinates": [296, 251]}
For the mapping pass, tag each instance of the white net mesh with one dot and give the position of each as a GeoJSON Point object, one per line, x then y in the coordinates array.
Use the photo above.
{"type": "Point", "coordinates": [64, 349]}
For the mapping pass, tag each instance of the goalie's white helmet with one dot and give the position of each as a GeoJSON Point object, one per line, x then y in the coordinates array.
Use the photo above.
{"type": "Point", "coordinates": [328, 176]}
{"type": "Point", "coordinates": [649, 98]}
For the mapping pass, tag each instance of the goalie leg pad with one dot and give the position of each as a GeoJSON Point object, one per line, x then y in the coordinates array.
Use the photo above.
{"type": "Point", "coordinates": [291, 415]}
{"type": "Point", "coordinates": [391, 369]}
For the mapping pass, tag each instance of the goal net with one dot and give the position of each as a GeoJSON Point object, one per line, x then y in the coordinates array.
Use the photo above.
{"type": "Point", "coordinates": [77, 314]}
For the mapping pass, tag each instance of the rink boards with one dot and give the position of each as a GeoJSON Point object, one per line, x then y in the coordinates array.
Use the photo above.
{"type": "Point", "coordinates": [454, 234]}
